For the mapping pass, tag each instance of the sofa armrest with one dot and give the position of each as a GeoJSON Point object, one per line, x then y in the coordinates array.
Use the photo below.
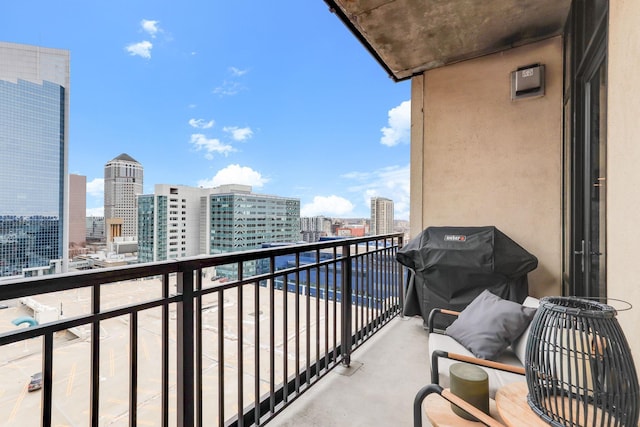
{"type": "Point", "coordinates": [435, 375]}
{"type": "Point", "coordinates": [438, 312]}
{"type": "Point", "coordinates": [452, 398]}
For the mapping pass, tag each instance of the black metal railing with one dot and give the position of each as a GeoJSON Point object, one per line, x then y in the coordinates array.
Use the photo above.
{"type": "Point", "coordinates": [232, 349]}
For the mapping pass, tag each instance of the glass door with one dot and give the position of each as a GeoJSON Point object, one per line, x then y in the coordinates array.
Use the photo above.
{"type": "Point", "coordinates": [594, 248]}
{"type": "Point", "coordinates": [585, 153]}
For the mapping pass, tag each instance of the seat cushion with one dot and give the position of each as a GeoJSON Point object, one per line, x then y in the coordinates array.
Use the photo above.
{"type": "Point", "coordinates": [497, 378]}
{"type": "Point", "coordinates": [519, 345]}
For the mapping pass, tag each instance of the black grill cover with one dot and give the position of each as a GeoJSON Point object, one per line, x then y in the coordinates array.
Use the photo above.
{"type": "Point", "coordinates": [453, 265]}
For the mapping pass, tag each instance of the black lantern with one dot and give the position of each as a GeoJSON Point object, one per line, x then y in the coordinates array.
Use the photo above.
{"type": "Point", "coordinates": [579, 367]}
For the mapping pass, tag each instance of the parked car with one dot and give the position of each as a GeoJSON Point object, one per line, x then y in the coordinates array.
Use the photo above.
{"type": "Point", "coordinates": [36, 382]}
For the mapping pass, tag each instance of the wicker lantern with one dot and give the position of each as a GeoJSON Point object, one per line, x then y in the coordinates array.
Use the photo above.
{"type": "Point", "coordinates": [579, 368]}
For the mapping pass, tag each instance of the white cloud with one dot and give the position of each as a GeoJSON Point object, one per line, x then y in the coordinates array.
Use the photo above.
{"type": "Point", "coordinates": [328, 206]}
{"type": "Point", "coordinates": [391, 182]}
{"type": "Point", "coordinates": [96, 211]}
{"type": "Point", "coordinates": [228, 88]}
{"type": "Point", "coordinates": [95, 187]}
{"type": "Point", "coordinates": [142, 49]}
{"type": "Point", "coordinates": [235, 174]}
{"type": "Point", "coordinates": [399, 125]}
{"type": "Point", "coordinates": [239, 134]}
{"type": "Point", "coordinates": [236, 72]}
{"type": "Point", "coordinates": [150, 27]}
{"type": "Point", "coordinates": [210, 145]}
{"type": "Point", "coordinates": [201, 123]}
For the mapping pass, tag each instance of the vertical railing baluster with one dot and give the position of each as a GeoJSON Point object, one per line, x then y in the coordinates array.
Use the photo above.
{"type": "Point", "coordinates": [297, 317]}
{"type": "Point", "coordinates": [400, 275]}
{"type": "Point", "coordinates": [285, 338]}
{"type": "Point", "coordinates": [198, 349]}
{"type": "Point", "coordinates": [317, 283]}
{"type": "Point", "coordinates": [47, 378]}
{"type": "Point", "coordinates": [240, 356]}
{"type": "Point", "coordinates": [308, 325]}
{"type": "Point", "coordinates": [272, 338]}
{"type": "Point", "coordinates": [165, 351]}
{"type": "Point", "coordinates": [356, 293]}
{"type": "Point", "coordinates": [326, 316]}
{"type": "Point", "coordinates": [370, 291]}
{"type": "Point", "coordinates": [221, 415]}
{"type": "Point", "coordinates": [346, 305]}
{"type": "Point", "coordinates": [335, 303]}
{"type": "Point", "coordinates": [95, 356]}
{"type": "Point", "coordinates": [185, 348]}
{"type": "Point", "coordinates": [256, 351]}
{"type": "Point", "coordinates": [133, 369]}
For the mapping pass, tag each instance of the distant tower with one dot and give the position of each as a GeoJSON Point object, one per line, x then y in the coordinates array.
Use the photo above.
{"type": "Point", "coordinates": [381, 216]}
{"type": "Point", "coordinates": [123, 178]}
{"type": "Point", "coordinates": [34, 120]}
{"type": "Point", "coordinates": [77, 209]}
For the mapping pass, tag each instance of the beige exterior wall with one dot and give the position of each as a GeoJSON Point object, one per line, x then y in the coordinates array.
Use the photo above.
{"type": "Point", "coordinates": [623, 158]}
{"type": "Point", "coordinates": [477, 158]}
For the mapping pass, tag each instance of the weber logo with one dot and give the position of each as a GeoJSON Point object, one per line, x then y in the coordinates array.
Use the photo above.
{"type": "Point", "coordinates": [455, 238]}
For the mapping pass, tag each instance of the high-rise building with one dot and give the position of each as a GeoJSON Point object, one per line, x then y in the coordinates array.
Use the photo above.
{"type": "Point", "coordinates": [95, 229]}
{"type": "Point", "coordinates": [34, 120]}
{"type": "Point", "coordinates": [381, 216]}
{"type": "Point", "coordinates": [123, 179]}
{"type": "Point", "coordinates": [314, 227]}
{"type": "Point", "coordinates": [170, 222]}
{"type": "Point", "coordinates": [77, 210]}
{"type": "Point", "coordinates": [242, 220]}
{"type": "Point", "coordinates": [179, 221]}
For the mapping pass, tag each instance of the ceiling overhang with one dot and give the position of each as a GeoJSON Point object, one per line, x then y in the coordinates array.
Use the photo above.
{"type": "Point", "coordinates": [408, 37]}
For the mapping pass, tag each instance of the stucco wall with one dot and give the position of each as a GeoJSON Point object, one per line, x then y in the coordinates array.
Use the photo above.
{"type": "Point", "coordinates": [623, 172]}
{"type": "Point", "coordinates": [477, 158]}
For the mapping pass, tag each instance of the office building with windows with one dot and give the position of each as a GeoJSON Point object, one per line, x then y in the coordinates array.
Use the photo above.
{"type": "Point", "coordinates": [170, 222]}
{"type": "Point", "coordinates": [314, 227]}
{"type": "Point", "coordinates": [123, 179]}
{"type": "Point", "coordinates": [34, 117]}
{"type": "Point", "coordinates": [95, 229]}
{"type": "Point", "coordinates": [180, 221]}
{"type": "Point", "coordinates": [381, 216]}
{"type": "Point", "coordinates": [243, 220]}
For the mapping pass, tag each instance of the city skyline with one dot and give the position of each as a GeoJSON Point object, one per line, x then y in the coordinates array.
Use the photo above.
{"type": "Point", "coordinates": [215, 94]}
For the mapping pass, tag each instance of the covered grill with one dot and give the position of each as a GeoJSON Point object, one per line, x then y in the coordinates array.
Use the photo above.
{"type": "Point", "coordinates": [452, 265]}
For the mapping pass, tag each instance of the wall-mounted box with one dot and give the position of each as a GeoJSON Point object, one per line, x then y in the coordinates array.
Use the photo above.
{"type": "Point", "coordinates": [527, 82]}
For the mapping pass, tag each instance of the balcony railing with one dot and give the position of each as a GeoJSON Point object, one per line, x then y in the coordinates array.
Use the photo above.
{"type": "Point", "coordinates": [180, 343]}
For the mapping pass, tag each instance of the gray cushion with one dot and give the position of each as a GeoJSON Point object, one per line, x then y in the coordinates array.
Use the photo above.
{"type": "Point", "coordinates": [519, 345]}
{"type": "Point", "coordinates": [490, 324]}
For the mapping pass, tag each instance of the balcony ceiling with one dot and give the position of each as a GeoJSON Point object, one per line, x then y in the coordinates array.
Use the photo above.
{"type": "Point", "coordinates": [409, 37]}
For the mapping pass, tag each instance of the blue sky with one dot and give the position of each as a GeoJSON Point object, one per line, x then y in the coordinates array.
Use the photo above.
{"type": "Point", "coordinates": [280, 96]}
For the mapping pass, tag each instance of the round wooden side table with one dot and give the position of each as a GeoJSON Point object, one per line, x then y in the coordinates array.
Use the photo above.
{"type": "Point", "coordinates": [438, 411]}
{"type": "Point", "coordinates": [511, 401]}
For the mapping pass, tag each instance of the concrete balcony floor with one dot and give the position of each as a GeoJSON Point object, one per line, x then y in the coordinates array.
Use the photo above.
{"type": "Point", "coordinates": [376, 390]}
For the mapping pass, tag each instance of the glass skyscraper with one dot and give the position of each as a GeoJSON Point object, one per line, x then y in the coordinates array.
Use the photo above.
{"type": "Point", "coordinates": [34, 113]}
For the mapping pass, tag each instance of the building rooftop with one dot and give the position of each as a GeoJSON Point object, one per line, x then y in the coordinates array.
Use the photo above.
{"type": "Point", "coordinates": [126, 158]}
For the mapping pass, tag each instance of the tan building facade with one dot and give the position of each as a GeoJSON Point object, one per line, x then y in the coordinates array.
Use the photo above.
{"type": "Point", "coordinates": [77, 210]}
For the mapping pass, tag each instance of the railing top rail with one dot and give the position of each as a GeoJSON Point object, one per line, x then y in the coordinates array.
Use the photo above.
{"type": "Point", "coordinates": [29, 286]}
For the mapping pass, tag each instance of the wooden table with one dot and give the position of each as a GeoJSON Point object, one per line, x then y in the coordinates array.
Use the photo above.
{"type": "Point", "coordinates": [511, 401]}
{"type": "Point", "coordinates": [438, 411]}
